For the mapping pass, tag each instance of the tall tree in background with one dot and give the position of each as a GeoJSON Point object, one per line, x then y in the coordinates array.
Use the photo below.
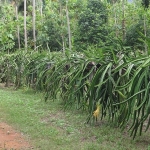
{"type": "Point", "coordinates": [61, 18]}
{"type": "Point", "coordinates": [115, 17]}
{"type": "Point", "coordinates": [92, 25]}
{"type": "Point", "coordinates": [42, 3]}
{"type": "Point", "coordinates": [33, 21]}
{"type": "Point", "coordinates": [123, 21]}
{"type": "Point", "coordinates": [25, 24]}
{"type": "Point", "coordinates": [68, 25]}
{"type": "Point", "coordinates": [18, 28]}
{"type": "Point", "coordinates": [145, 4]}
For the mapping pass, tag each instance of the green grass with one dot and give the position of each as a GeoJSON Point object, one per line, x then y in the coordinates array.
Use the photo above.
{"type": "Point", "coordinates": [48, 127]}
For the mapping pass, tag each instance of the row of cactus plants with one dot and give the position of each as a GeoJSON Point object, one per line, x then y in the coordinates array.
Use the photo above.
{"type": "Point", "coordinates": [111, 85]}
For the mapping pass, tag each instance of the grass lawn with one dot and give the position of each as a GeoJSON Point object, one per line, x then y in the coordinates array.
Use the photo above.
{"type": "Point", "coordinates": [48, 127]}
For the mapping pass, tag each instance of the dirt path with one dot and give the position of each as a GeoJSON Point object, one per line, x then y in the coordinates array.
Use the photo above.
{"type": "Point", "coordinates": [11, 139]}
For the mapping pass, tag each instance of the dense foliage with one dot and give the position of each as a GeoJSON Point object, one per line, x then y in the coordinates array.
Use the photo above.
{"type": "Point", "coordinates": [95, 57]}
{"type": "Point", "coordinates": [91, 24]}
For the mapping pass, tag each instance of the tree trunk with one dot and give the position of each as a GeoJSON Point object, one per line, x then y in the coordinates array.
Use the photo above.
{"type": "Point", "coordinates": [115, 18]}
{"type": "Point", "coordinates": [145, 33]}
{"type": "Point", "coordinates": [68, 24]}
{"type": "Point", "coordinates": [34, 15]}
{"type": "Point", "coordinates": [62, 35]}
{"type": "Point", "coordinates": [41, 8]}
{"type": "Point", "coordinates": [18, 29]}
{"type": "Point", "coordinates": [123, 21]}
{"type": "Point", "coordinates": [25, 24]}
{"type": "Point", "coordinates": [7, 75]}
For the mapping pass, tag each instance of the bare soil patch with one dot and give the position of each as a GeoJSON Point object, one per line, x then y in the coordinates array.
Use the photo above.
{"type": "Point", "coordinates": [11, 139]}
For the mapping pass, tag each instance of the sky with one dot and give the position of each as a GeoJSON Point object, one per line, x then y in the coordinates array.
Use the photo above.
{"type": "Point", "coordinates": [130, 1]}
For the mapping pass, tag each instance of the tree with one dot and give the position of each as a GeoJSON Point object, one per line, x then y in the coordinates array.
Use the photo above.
{"type": "Point", "coordinates": [91, 25]}
{"type": "Point", "coordinates": [123, 21]}
{"type": "Point", "coordinates": [68, 25]}
{"type": "Point", "coordinates": [145, 4]}
{"type": "Point", "coordinates": [25, 25]}
{"type": "Point", "coordinates": [34, 15]}
{"type": "Point", "coordinates": [138, 29]}
{"type": "Point", "coordinates": [18, 29]}
{"type": "Point", "coordinates": [61, 25]}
